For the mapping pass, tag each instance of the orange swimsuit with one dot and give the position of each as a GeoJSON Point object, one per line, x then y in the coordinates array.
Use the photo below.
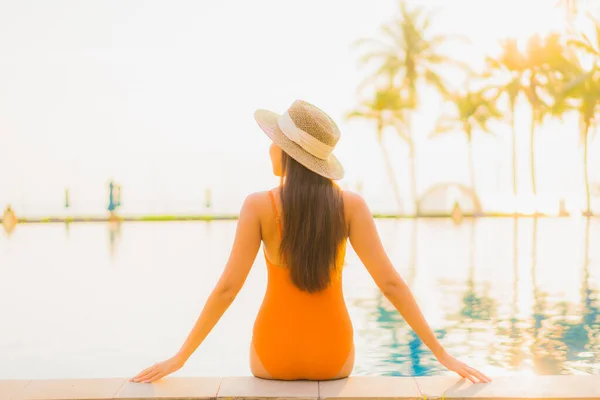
{"type": "Point", "coordinates": [301, 335]}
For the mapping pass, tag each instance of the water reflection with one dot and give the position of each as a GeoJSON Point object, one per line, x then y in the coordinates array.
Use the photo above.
{"type": "Point", "coordinates": [546, 359]}
{"type": "Point", "coordinates": [475, 307]}
{"type": "Point", "coordinates": [509, 296]}
{"type": "Point", "coordinates": [399, 351]}
{"type": "Point", "coordinates": [513, 334]}
{"type": "Point", "coordinates": [566, 334]}
{"type": "Point", "coordinates": [114, 235]}
{"type": "Point", "coordinates": [580, 335]}
{"type": "Point", "coordinates": [555, 336]}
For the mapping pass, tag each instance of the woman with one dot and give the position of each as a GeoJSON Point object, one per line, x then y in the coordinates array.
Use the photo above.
{"type": "Point", "coordinates": [303, 330]}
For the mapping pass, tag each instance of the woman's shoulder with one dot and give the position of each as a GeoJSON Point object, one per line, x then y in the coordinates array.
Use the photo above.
{"type": "Point", "coordinates": [352, 199]}
{"type": "Point", "coordinates": [258, 199]}
{"type": "Point", "coordinates": [257, 196]}
{"type": "Point", "coordinates": [259, 202]}
{"type": "Point", "coordinates": [351, 196]}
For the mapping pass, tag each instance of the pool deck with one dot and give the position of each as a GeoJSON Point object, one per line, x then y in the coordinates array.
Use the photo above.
{"type": "Point", "coordinates": [358, 387]}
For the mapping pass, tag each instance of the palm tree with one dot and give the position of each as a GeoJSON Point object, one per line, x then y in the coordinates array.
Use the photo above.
{"type": "Point", "coordinates": [386, 109]}
{"type": "Point", "coordinates": [405, 57]}
{"type": "Point", "coordinates": [587, 93]}
{"type": "Point", "coordinates": [536, 58]}
{"type": "Point", "coordinates": [583, 95]}
{"type": "Point", "coordinates": [472, 111]}
{"type": "Point", "coordinates": [408, 54]}
{"type": "Point", "coordinates": [581, 91]}
{"type": "Point", "coordinates": [527, 73]}
{"type": "Point", "coordinates": [546, 61]}
{"type": "Point", "coordinates": [510, 68]}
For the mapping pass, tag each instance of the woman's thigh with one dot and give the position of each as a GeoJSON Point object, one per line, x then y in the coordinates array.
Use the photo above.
{"type": "Point", "coordinates": [256, 366]}
{"type": "Point", "coordinates": [259, 371]}
{"type": "Point", "coordinates": [348, 366]}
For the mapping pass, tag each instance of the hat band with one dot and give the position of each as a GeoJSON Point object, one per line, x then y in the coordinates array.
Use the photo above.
{"type": "Point", "coordinates": [309, 143]}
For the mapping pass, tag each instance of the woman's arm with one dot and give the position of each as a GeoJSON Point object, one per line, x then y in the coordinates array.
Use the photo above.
{"type": "Point", "coordinates": [245, 247]}
{"type": "Point", "coordinates": [367, 244]}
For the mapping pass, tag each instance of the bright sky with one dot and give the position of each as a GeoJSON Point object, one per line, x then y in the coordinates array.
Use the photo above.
{"type": "Point", "coordinates": [160, 96]}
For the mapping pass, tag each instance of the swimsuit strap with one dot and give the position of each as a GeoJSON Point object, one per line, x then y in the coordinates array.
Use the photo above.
{"type": "Point", "coordinates": [277, 220]}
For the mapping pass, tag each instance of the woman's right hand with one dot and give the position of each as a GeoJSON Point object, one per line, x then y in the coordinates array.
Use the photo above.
{"type": "Point", "coordinates": [159, 370]}
{"type": "Point", "coordinates": [462, 369]}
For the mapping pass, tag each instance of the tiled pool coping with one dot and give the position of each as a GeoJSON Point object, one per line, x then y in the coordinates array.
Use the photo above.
{"type": "Point", "coordinates": [359, 387]}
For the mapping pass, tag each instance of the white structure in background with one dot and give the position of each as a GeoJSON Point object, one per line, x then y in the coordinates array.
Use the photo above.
{"type": "Point", "coordinates": [446, 198]}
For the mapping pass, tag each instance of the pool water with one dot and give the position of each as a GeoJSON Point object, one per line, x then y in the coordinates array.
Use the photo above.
{"type": "Point", "coordinates": [99, 300]}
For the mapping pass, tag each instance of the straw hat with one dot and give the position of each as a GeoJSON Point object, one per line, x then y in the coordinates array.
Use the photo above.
{"type": "Point", "coordinates": [306, 134]}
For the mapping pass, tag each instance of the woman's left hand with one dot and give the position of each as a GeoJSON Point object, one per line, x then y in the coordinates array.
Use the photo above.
{"type": "Point", "coordinates": [462, 369]}
{"type": "Point", "coordinates": [158, 370]}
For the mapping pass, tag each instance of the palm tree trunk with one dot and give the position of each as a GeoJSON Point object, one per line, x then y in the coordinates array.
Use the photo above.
{"type": "Point", "coordinates": [532, 156]}
{"type": "Point", "coordinates": [514, 148]}
{"type": "Point", "coordinates": [413, 178]}
{"type": "Point", "coordinates": [585, 169]}
{"type": "Point", "coordinates": [471, 166]}
{"type": "Point", "coordinates": [391, 175]}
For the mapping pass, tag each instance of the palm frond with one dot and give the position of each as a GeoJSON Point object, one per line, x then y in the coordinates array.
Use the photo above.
{"type": "Point", "coordinates": [438, 40]}
{"type": "Point", "coordinates": [389, 30]}
{"type": "Point", "coordinates": [584, 44]}
{"type": "Point", "coordinates": [389, 69]}
{"type": "Point", "coordinates": [444, 125]}
{"type": "Point", "coordinates": [436, 81]}
{"type": "Point", "coordinates": [369, 42]}
{"type": "Point", "coordinates": [374, 55]}
{"type": "Point", "coordinates": [576, 83]}
{"type": "Point", "coordinates": [356, 114]}
{"type": "Point", "coordinates": [406, 53]}
{"type": "Point", "coordinates": [442, 59]}
{"type": "Point", "coordinates": [401, 128]}
{"type": "Point", "coordinates": [369, 80]}
{"type": "Point", "coordinates": [492, 64]}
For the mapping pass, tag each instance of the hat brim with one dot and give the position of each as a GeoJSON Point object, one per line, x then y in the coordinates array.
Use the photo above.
{"type": "Point", "coordinates": [330, 168]}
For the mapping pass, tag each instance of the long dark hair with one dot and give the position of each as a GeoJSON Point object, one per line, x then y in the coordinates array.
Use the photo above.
{"type": "Point", "coordinates": [314, 225]}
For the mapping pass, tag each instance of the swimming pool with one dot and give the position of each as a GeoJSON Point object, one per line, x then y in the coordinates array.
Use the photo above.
{"type": "Point", "coordinates": [94, 300]}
